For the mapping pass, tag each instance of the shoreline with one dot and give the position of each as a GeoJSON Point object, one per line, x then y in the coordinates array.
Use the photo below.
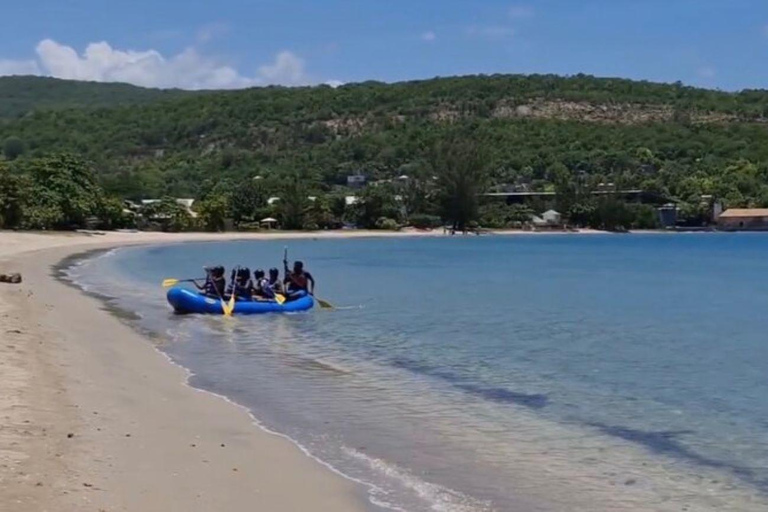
{"type": "Point", "coordinates": [96, 418]}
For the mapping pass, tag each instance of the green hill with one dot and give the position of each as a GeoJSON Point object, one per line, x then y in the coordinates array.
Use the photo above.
{"type": "Point", "coordinates": [20, 95]}
{"type": "Point", "coordinates": [683, 140]}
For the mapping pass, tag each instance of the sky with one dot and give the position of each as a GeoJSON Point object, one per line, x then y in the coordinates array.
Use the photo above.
{"type": "Point", "coordinates": [195, 44]}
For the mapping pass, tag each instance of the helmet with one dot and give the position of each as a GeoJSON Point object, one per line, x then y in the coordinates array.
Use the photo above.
{"type": "Point", "coordinates": [244, 274]}
{"type": "Point", "coordinates": [258, 274]}
{"type": "Point", "coordinates": [273, 272]}
{"type": "Point", "coordinates": [216, 271]}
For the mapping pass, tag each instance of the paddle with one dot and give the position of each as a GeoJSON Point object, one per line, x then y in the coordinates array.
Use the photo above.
{"type": "Point", "coordinates": [221, 299]}
{"type": "Point", "coordinates": [230, 306]}
{"type": "Point", "coordinates": [172, 282]}
{"type": "Point", "coordinates": [324, 304]}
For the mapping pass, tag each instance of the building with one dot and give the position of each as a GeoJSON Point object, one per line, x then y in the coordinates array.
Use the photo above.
{"type": "Point", "coordinates": [356, 180]}
{"type": "Point", "coordinates": [537, 222]}
{"type": "Point", "coordinates": [552, 218]}
{"type": "Point", "coordinates": [667, 215]}
{"type": "Point", "coordinates": [744, 219]}
{"type": "Point", "coordinates": [186, 203]}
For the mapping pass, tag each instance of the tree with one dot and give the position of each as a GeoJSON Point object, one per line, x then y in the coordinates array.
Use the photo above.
{"type": "Point", "coordinates": [494, 215]}
{"type": "Point", "coordinates": [14, 191]}
{"type": "Point", "coordinates": [565, 188]}
{"type": "Point", "coordinates": [13, 147]}
{"type": "Point", "coordinates": [320, 215]}
{"type": "Point", "coordinates": [213, 212]}
{"type": "Point", "coordinates": [247, 199]}
{"type": "Point", "coordinates": [169, 214]}
{"type": "Point", "coordinates": [294, 202]}
{"type": "Point", "coordinates": [376, 202]}
{"type": "Point", "coordinates": [64, 192]}
{"type": "Point", "coordinates": [645, 216]}
{"type": "Point", "coordinates": [111, 215]}
{"type": "Point", "coordinates": [417, 190]}
{"type": "Point", "coordinates": [611, 214]}
{"type": "Point", "coordinates": [462, 174]}
{"type": "Point", "coordinates": [581, 214]}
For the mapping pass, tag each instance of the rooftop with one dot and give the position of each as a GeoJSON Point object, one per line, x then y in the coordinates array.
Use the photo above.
{"type": "Point", "coordinates": [733, 213]}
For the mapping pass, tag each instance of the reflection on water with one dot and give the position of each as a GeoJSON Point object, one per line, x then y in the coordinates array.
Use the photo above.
{"type": "Point", "coordinates": [523, 373]}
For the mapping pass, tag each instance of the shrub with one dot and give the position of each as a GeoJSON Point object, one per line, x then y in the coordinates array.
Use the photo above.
{"type": "Point", "coordinates": [424, 221]}
{"type": "Point", "coordinates": [387, 224]}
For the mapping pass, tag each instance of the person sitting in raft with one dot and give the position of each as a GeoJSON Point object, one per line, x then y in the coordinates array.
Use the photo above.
{"type": "Point", "coordinates": [298, 280]}
{"type": "Point", "coordinates": [215, 285]}
{"type": "Point", "coordinates": [261, 288]}
{"type": "Point", "coordinates": [241, 284]}
{"type": "Point", "coordinates": [274, 281]}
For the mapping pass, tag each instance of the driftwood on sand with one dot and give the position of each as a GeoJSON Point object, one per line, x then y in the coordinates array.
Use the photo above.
{"type": "Point", "coordinates": [10, 278]}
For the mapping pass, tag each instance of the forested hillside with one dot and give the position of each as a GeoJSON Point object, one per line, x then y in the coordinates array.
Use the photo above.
{"type": "Point", "coordinates": [534, 133]}
{"type": "Point", "coordinates": [20, 95]}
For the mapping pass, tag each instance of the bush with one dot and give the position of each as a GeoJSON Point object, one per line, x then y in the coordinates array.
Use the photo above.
{"type": "Point", "coordinates": [249, 226]}
{"type": "Point", "coordinates": [424, 221]}
{"type": "Point", "coordinates": [13, 147]}
{"type": "Point", "coordinates": [646, 217]}
{"type": "Point", "coordinates": [387, 224]}
{"type": "Point", "coordinates": [112, 216]}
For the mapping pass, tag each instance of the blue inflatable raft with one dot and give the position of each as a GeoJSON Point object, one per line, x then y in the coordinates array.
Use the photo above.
{"type": "Point", "coordinates": [187, 301]}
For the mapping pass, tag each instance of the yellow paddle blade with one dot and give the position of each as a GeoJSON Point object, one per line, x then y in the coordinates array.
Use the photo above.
{"type": "Point", "coordinates": [169, 282]}
{"type": "Point", "coordinates": [324, 304]}
{"type": "Point", "coordinates": [280, 299]}
{"type": "Point", "coordinates": [229, 307]}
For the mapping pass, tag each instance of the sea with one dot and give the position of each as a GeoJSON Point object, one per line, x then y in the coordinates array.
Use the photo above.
{"type": "Point", "coordinates": [492, 373]}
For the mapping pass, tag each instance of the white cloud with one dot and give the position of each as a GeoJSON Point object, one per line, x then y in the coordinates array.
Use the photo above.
{"type": "Point", "coordinates": [288, 69]}
{"type": "Point", "coordinates": [517, 12]}
{"type": "Point", "coordinates": [495, 32]}
{"type": "Point", "coordinates": [187, 70]}
{"type": "Point", "coordinates": [428, 36]}
{"type": "Point", "coordinates": [334, 83]}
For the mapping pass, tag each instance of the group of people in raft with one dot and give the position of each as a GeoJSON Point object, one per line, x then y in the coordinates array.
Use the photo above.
{"type": "Point", "coordinates": [296, 283]}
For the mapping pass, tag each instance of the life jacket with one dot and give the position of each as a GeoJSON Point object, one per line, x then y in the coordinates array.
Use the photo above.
{"type": "Point", "coordinates": [275, 285]}
{"type": "Point", "coordinates": [214, 287]}
{"type": "Point", "coordinates": [299, 281]}
{"type": "Point", "coordinates": [263, 288]}
{"type": "Point", "coordinates": [241, 288]}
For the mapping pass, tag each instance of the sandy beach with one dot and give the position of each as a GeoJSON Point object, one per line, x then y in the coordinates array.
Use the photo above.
{"type": "Point", "coordinates": [94, 418]}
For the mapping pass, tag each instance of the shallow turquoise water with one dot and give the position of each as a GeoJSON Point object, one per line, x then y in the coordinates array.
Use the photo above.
{"type": "Point", "coordinates": [493, 372]}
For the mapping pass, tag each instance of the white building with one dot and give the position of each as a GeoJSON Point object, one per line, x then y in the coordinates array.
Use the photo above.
{"type": "Point", "coordinates": [356, 180]}
{"type": "Point", "coordinates": [552, 217]}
